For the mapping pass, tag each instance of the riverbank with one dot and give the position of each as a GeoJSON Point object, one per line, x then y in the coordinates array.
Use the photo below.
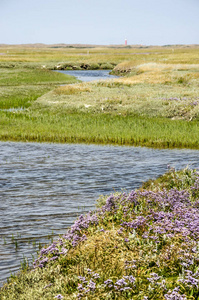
{"type": "Point", "coordinates": [46, 186]}
{"type": "Point", "coordinates": [158, 107]}
{"type": "Point", "coordinates": [155, 105]}
{"type": "Point", "coordinates": [134, 246]}
{"type": "Point", "coordinates": [98, 129]}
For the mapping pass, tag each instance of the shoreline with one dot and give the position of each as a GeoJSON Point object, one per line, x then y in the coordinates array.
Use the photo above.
{"type": "Point", "coordinates": [82, 263]}
{"type": "Point", "coordinates": [101, 129]}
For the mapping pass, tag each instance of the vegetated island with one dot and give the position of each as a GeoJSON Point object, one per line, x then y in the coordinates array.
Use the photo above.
{"type": "Point", "coordinates": [138, 245]}
{"type": "Point", "coordinates": [154, 104]}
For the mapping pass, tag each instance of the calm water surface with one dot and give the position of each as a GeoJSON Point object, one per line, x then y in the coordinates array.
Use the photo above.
{"type": "Point", "coordinates": [89, 75]}
{"type": "Point", "coordinates": [43, 187]}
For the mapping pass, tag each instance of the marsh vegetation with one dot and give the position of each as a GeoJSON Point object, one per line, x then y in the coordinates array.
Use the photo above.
{"type": "Point", "coordinates": [154, 250]}
{"type": "Point", "coordinates": [155, 104]}
{"type": "Point", "coordinates": [137, 245]}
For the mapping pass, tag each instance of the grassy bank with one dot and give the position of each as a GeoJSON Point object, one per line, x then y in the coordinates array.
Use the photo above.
{"type": "Point", "coordinates": [20, 87]}
{"type": "Point", "coordinates": [155, 105]}
{"type": "Point", "coordinates": [143, 113]}
{"type": "Point", "coordinates": [98, 128]}
{"type": "Point", "coordinates": [137, 245]}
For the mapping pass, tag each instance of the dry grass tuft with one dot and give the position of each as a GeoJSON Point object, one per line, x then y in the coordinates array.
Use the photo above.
{"type": "Point", "coordinates": [166, 67]}
{"type": "Point", "coordinates": [158, 73]}
{"type": "Point", "coordinates": [72, 89]}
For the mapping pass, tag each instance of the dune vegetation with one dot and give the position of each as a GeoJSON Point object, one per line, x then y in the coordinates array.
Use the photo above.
{"type": "Point", "coordinates": [138, 245]}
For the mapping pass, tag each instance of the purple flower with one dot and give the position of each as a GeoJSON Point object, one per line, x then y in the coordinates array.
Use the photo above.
{"type": "Point", "coordinates": [96, 276]}
{"type": "Point", "coordinates": [89, 271]}
{"type": "Point", "coordinates": [125, 289]}
{"type": "Point", "coordinates": [59, 296]}
{"type": "Point", "coordinates": [80, 287]}
{"type": "Point", "coordinates": [154, 277]}
{"type": "Point", "coordinates": [53, 258]}
{"type": "Point", "coordinates": [174, 295]}
{"type": "Point", "coordinates": [120, 231]}
{"type": "Point", "coordinates": [91, 285]}
{"type": "Point", "coordinates": [126, 240]}
{"type": "Point", "coordinates": [48, 285]}
{"type": "Point", "coordinates": [130, 278]}
{"type": "Point", "coordinates": [108, 282]}
{"type": "Point", "coordinates": [191, 279]}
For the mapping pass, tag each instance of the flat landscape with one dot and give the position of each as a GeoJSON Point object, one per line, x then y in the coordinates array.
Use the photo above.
{"type": "Point", "coordinates": [141, 244]}
{"type": "Point", "coordinates": [153, 103]}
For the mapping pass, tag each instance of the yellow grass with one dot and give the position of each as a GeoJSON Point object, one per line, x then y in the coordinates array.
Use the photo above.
{"type": "Point", "coordinates": [158, 73]}
{"type": "Point", "coordinates": [71, 89]}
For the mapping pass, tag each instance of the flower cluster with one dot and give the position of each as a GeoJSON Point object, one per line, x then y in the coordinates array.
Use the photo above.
{"type": "Point", "coordinates": [87, 285]}
{"type": "Point", "coordinates": [155, 230]}
{"type": "Point", "coordinates": [191, 279]}
{"type": "Point", "coordinates": [74, 234]}
{"type": "Point", "coordinates": [73, 237]}
{"type": "Point", "coordinates": [49, 254]}
{"type": "Point", "coordinates": [175, 295]}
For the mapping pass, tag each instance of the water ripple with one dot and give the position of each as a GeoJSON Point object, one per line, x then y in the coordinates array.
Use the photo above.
{"type": "Point", "coordinates": [44, 187]}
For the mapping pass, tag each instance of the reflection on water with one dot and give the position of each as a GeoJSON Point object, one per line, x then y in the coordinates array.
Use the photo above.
{"type": "Point", "coordinates": [43, 187]}
{"type": "Point", "coordinates": [89, 75]}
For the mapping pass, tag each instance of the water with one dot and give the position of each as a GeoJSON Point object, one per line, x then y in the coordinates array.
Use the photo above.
{"type": "Point", "coordinates": [13, 109]}
{"type": "Point", "coordinates": [43, 187]}
{"type": "Point", "coordinates": [89, 75]}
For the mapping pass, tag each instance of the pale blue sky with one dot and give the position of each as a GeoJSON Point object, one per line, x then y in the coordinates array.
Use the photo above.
{"type": "Point", "coordinates": [147, 22]}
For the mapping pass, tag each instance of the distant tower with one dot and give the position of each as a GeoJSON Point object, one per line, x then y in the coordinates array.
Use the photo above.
{"type": "Point", "coordinates": [125, 43]}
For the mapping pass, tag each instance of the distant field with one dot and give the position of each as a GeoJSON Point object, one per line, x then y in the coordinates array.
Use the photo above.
{"type": "Point", "coordinates": [155, 103]}
{"type": "Point", "coordinates": [51, 57]}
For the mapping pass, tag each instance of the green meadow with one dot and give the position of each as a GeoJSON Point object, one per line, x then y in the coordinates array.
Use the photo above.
{"type": "Point", "coordinates": [20, 87]}
{"type": "Point", "coordinates": [155, 102]}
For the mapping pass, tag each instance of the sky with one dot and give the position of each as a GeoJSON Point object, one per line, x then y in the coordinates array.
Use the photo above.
{"type": "Point", "coordinates": [101, 22]}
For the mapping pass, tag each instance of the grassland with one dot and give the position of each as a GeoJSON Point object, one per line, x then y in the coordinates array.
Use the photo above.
{"type": "Point", "coordinates": [19, 88]}
{"type": "Point", "coordinates": [156, 103]}
{"type": "Point", "coordinates": [51, 57]}
{"type": "Point", "coordinates": [139, 245]}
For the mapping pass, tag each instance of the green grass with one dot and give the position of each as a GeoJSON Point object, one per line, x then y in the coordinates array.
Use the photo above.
{"type": "Point", "coordinates": [77, 127]}
{"type": "Point", "coordinates": [155, 105]}
{"type": "Point", "coordinates": [15, 77]}
{"type": "Point", "coordinates": [21, 87]}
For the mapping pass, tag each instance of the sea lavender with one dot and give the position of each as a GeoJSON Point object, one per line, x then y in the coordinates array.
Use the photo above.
{"type": "Point", "coordinates": [59, 296]}
{"type": "Point", "coordinates": [174, 295]}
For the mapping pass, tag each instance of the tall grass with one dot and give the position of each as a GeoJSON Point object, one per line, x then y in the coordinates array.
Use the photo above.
{"type": "Point", "coordinates": [156, 105]}
{"type": "Point", "coordinates": [98, 128]}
